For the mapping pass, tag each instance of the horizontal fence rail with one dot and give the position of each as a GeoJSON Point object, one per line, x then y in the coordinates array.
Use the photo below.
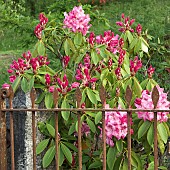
{"type": "Point", "coordinates": [8, 93]}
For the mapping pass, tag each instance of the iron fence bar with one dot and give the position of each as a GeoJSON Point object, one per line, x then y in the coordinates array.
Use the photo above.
{"type": "Point", "coordinates": [12, 128]}
{"type": "Point", "coordinates": [155, 142]}
{"type": "Point", "coordinates": [56, 141]}
{"type": "Point", "coordinates": [79, 141]}
{"type": "Point", "coordinates": [87, 109]}
{"type": "Point", "coordinates": [129, 138]}
{"type": "Point", "coordinates": [104, 139]}
{"type": "Point", "coordinates": [55, 98]}
{"type": "Point", "coordinates": [3, 153]}
{"type": "Point", "coordinates": [33, 97]}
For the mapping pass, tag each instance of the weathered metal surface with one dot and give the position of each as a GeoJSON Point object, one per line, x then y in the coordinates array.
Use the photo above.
{"type": "Point", "coordinates": [155, 96]}
{"type": "Point", "coordinates": [128, 96]}
{"type": "Point", "coordinates": [79, 141]}
{"type": "Point", "coordinates": [102, 94]}
{"type": "Point", "coordinates": [3, 150]}
{"type": "Point", "coordinates": [129, 139]}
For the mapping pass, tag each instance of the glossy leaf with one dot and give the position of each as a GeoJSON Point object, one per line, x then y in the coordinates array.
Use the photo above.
{"type": "Point", "coordinates": [91, 96]}
{"type": "Point", "coordinates": [91, 125]}
{"type": "Point", "coordinates": [66, 152]}
{"type": "Point", "coordinates": [162, 132]}
{"type": "Point", "coordinates": [51, 130]}
{"type": "Point", "coordinates": [143, 129]}
{"type": "Point", "coordinates": [98, 117]}
{"type": "Point", "coordinates": [15, 84]}
{"type": "Point", "coordinates": [42, 145]}
{"type": "Point", "coordinates": [41, 48]}
{"type": "Point", "coordinates": [95, 165]}
{"type": "Point", "coordinates": [48, 100]}
{"type": "Point", "coordinates": [150, 135]}
{"type": "Point", "coordinates": [24, 84]}
{"type": "Point", "coordinates": [111, 157]}
{"type": "Point", "coordinates": [48, 157]}
{"type": "Point", "coordinates": [65, 114]}
{"type": "Point", "coordinates": [66, 47]}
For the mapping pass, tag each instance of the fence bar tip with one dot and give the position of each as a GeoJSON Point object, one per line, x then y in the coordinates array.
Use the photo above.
{"type": "Point", "coordinates": [155, 96]}
{"type": "Point", "coordinates": [78, 97]}
{"type": "Point", "coordinates": [102, 94]}
{"type": "Point", "coordinates": [128, 95]}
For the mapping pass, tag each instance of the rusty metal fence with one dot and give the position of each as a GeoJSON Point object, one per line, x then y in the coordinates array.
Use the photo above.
{"type": "Point", "coordinates": [8, 93]}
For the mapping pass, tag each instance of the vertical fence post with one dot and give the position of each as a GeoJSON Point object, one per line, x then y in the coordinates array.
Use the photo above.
{"type": "Point", "coordinates": [3, 150]}
{"type": "Point", "coordinates": [78, 96]}
{"type": "Point", "coordinates": [12, 128]}
{"type": "Point", "coordinates": [103, 100]}
{"type": "Point", "coordinates": [55, 98]}
{"type": "Point", "coordinates": [33, 97]}
{"type": "Point", "coordinates": [128, 97]}
{"type": "Point", "coordinates": [155, 98]}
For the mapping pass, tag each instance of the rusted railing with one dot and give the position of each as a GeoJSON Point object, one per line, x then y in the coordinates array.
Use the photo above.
{"type": "Point", "coordinates": [8, 93]}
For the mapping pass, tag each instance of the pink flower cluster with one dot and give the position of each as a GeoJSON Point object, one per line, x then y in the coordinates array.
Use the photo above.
{"type": "Point", "coordinates": [38, 29]}
{"type": "Point", "coordinates": [77, 21]}
{"type": "Point", "coordinates": [145, 102]}
{"type": "Point", "coordinates": [65, 60]}
{"type": "Point", "coordinates": [83, 72]}
{"type": "Point", "coordinates": [135, 65]}
{"type": "Point", "coordinates": [150, 71]}
{"type": "Point", "coordinates": [139, 29]}
{"type": "Point", "coordinates": [116, 125]}
{"type": "Point", "coordinates": [64, 86]}
{"type": "Point", "coordinates": [109, 39]}
{"type": "Point", "coordinates": [125, 24]}
{"type": "Point", "coordinates": [21, 65]}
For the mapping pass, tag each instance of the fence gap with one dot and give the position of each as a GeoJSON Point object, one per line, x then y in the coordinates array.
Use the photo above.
{"type": "Point", "coordinates": [33, 97]}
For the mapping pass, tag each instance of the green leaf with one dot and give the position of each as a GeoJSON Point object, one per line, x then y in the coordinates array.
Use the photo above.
{"type": "Point", "coordinates": [65, 114]}
{"type": "Point", "coordinates": [71, 45]}
{"type": "Point", "coordinates": [94, 57]}
{"type": "Point", "coordinates": [137, 46]}
{"type": "Point", "coordinates": [48, 100]}
{"type": "Point", "coordinates": [91, 96]}
{"type": "Point", "coordinates": [98, 117]}
{"type": "Point", "coordinates": [111, 157]}
{"type": "Point", "coordinates": [150, 135]}
{"type": "Point", "coordinates": [71, 146]}
{"type": "Point", "coordinates": [24, 84]}
{"type": "Point", "coordinates": [42, 145]}
{"type": "Point", "coordinates": [61, 156]}
{"type": "Point", "coordinates": [41, 48]}
{"type": "Point", "coordinates": [125, 165]}
{"type": "Point", "coordinates": [71, 129]}
{"type": "Point", "coordinates": [91, 125]}
{"type": "Point", "coordinates": [143, 128]}
{"type": "Point", "coordinates": [48, 157]}
{"type": "Point", "coordinates": [31, 83]}
{"type": "Point", "coordinates": [133, 43]}
{"type": "Point", "coordinates": [119, 145]}
{"type": "Point", "coordinates": [40, 98]}
{"type": "Point", "coordinates": [66, 47]}
{"type": "Point", "coordinates": [144, 83]}
{"type": "Point", "coordinates": [51, 130]}
{"type": "Point", "coordinates": [66, 152]}
{"type": "Point", "coordinates": [162, 167]}
{"type": "Point", "coordinates": [137, 88]}
{"type": "Point", "coordinates": [16, 83]}
{"type": "Point", "coordinates": [129, 35]}
{"type": "Point", "coordinates": [96, 164]}
{"type": "Point", "coordinates": [163, 132]}
{"type": "Point", "coordinates": [78, 39]}
{"type": "Point", "coordinates": [138, 159]}
{"type": "Point", "coordinates": [144, 47]}
{"type": "Point", "coordinates": [117, 163]}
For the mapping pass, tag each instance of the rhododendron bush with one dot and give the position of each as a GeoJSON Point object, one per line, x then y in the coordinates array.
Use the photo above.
{"type": "Point", "coordinates": [88, 61]}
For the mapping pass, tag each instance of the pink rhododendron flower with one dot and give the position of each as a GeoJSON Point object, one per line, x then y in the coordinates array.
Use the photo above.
{"type": "Point", "coordinates": [118, 73]}
{"type": "Point", "coordinates": [6, 86]}
{"type": "Point", "coordinates": [150, 71]}
{"type": "Point", "coordinates": [66, 60]}
{"type": "Point", "coordinates": [38, 31]}
{"type": "Point", "coordinates": [77, 21]}
{"type": "Point", "coordinates": [135, 65]}
{"type": "Point", "coordinates": [139, 29]}
{"type": "Point", "coordinates": [51, 89]}
{"type": "Point", "coordinates": [12, 78]}
{"type": "Point", "coordinates": [47, 79]}
{"type": "Point", "coordinates": [125, 24]}
{"type": "Point", "coordinates": [145, 102]}
{"type": "Point", "coordinates": [116, 125]}
{"type": "Point", "coordinates": [75, 85]}
{"type": "Point", "coordinates": [109, 39]}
